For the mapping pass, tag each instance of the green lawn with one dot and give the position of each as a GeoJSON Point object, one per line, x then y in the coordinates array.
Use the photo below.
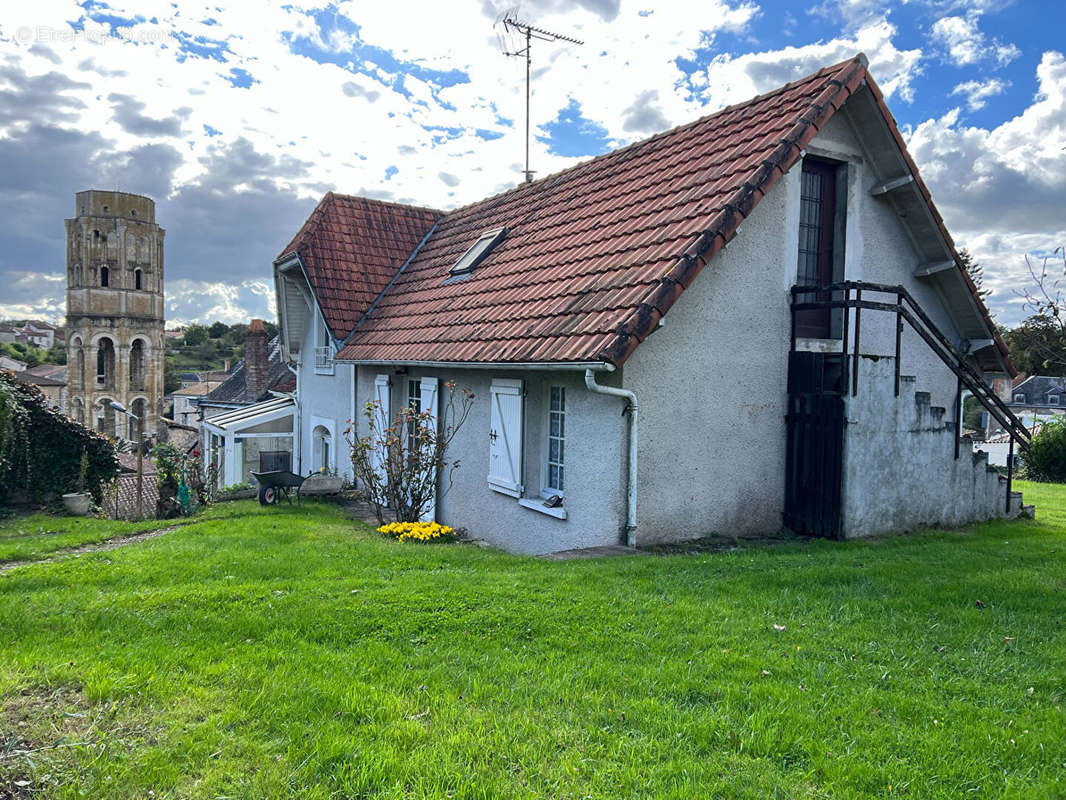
{"type": "Point", "coordinates": [31, 537]}
{"type": "Point", "coordinates": [292, 653]}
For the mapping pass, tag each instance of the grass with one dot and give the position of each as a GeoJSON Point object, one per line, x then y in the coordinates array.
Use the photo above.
{"type": "Point", "coordinates": [292, 653]}
{"type": "Point", "coordinates": [32, 537]}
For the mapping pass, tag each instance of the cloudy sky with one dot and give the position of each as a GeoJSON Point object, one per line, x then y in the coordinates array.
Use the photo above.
{"type": "Point", "coordinates": [236, 118]}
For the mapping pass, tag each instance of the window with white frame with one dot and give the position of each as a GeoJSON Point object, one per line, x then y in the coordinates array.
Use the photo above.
{"type": "Point", "coordinates": [414, 403]}
{"type": "Point", "coordinates": [1019, 398]}
{"type": "Point", "coordinates": [556, 439]}
{"type": "Point", "coordinates": [323, 348]}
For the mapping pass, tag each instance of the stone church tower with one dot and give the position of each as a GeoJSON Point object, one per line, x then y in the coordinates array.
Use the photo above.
{"type": "Point", "coordinates": [115, 343]}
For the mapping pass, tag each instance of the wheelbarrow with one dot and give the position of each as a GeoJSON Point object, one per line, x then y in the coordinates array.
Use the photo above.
{"type": "Point", "coordinates": [273, 486]}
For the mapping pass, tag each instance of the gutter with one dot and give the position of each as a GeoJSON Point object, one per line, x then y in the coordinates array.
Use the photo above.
{"type": "Point", "coordinates": [631, 488]}
{"type": "Point", "coordinates": [597, 366]}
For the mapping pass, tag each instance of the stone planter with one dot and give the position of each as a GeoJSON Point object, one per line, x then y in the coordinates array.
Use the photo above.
{"type": "Point", "coordinates": [319, 484]}
{"type": "Point", "coordinates": [77, 503]}
{"type": "Point", "coordinates": [235, 494]}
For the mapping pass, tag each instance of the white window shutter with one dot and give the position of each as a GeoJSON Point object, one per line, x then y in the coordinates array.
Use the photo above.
{"type": "Point", "coordinates": [505, 436]}
{"type": "Point", "coordinates": [430, 404]}
{"type": "Point", "coordinates": [381, 417]}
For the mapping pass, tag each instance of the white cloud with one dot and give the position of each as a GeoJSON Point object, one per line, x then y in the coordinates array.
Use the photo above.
{"type": "Point", "coordinates": [978, 92]}
{"type": "Point", "coordinates": [966, 44]}
{"type": "Point", "coordinates": [730, 79]}
{"type": "Point", "coordinates": [1001, 190]}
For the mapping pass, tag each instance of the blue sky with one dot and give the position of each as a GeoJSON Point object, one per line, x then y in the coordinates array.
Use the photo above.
{"type": "Point", "coordinates": [238, 117]}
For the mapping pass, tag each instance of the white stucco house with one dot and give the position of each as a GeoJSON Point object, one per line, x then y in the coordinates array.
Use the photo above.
{"type": "Point", "coordinates": [645, 366]}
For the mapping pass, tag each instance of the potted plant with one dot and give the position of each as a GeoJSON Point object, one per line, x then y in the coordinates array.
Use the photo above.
{"type": "Point", "coordinates": [77, 503]}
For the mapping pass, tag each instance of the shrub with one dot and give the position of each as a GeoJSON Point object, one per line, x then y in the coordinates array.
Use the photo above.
{"type": "Point", "coordinates": [1046, 459]}
{"type": "Point", "coordinates": [418, 532]}
{"type": "Point", "coordinates": [43, 452]}
{"type": "Point", "coordinates": [406, 465]}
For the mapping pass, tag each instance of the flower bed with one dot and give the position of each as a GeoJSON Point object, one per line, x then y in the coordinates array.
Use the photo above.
{"type": "Point", "coordinates": [418, 532]}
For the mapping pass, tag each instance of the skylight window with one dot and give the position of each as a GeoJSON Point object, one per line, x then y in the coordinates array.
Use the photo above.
{"type": "Point", "coordinates": [478, 251]}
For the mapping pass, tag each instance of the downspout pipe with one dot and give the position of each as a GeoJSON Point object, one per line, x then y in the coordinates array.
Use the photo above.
{"type": "Point", "coordinates": [297, 442]}
{"type": "Point", "coordinates": [631, 488]}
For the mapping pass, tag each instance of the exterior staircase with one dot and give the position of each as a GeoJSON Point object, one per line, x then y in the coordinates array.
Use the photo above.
{"type": "Point", "coordinates": [901, 462]}
{"type": "Point", "coordinates": [934, 487]}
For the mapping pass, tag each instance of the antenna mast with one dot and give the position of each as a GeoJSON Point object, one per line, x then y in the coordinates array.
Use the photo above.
{"type": "Point", "coordinates": [511, 23]}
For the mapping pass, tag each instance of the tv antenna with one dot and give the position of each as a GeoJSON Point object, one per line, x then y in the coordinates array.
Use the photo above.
{"type": "Point", "coordinates": [511, 24]}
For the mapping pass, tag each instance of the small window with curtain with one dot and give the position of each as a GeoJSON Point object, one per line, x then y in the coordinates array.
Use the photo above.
{"type": "Point", "coordinates": [556, 439]}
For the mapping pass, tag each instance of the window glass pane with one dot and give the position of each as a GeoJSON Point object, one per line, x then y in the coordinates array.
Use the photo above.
{"type": "Point", "coordinates": [556, 429]}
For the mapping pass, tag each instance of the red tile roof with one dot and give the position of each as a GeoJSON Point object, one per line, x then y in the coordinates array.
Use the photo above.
{"type": "Point", "coordinates": [597, 254]}
{"type": "Point", "coordinates": [351, 247]}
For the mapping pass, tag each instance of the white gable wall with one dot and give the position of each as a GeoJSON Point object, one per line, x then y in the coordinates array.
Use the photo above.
{"type": "Point", "coordinates": [711, 383]}
{"type": "Point", "coordinates": [326, 401]}
{"type": "Point", "coordinates": [880, 250]}
{"type": "Point", "coordinates": [710, 386]}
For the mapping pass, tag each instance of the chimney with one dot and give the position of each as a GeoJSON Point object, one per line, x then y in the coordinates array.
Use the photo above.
{"type": "Point", "coordinates": [256, 360]}
{"type": "Point", "coordinates": [225, 365]}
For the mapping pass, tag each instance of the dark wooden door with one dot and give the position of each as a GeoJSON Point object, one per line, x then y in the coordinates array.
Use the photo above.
{"type": "Point", "coordinates": [815, 446]}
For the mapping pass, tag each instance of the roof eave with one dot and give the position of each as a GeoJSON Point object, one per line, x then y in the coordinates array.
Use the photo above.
{"type": "Point", "coordinates": [539, 366]}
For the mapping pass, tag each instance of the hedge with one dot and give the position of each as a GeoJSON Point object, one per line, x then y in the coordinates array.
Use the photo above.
{"type": "Point", "coordinates": [1046, 459]}
{"type": "Point", "coordinates": [41, 448]}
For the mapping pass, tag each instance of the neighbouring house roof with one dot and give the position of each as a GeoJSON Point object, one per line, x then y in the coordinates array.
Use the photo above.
{"type": "Point", "coordinates": [57, 371]}
{"type": "Point", "coordinates": [1001, 438]}
{"type": "Point", "coordinates": [594, 256]}
{"type": "Point", "coordinates": [240, 418]}
{"type": "Point", "coordinates": [232, 390]}
{"type": "Point", "coordinates": [350, 248]}
{"type": "Point", "coordinates": [41, 380]}
{"type": "Point", "coordinates": [196, 389]}
{"type": "Point", "coordinates": [1037, 387]}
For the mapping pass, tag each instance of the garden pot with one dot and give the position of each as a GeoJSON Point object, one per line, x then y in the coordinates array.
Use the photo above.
{"type": "Point", "coordinates": [77, 503]}
{"type": "Point", "coordinates": [321, 484]}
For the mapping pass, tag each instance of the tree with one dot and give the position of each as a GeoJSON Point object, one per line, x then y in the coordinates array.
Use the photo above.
{"type": "Point", "coordinates": [218, 330]}
{"type": "Point", "coordinates": [171, 379]}
{"type": "Point", "coordinates": [975, 271]}
{"type": "Point", "coordinates": [195, 335]}
{"type": "Point", "coordinates": [405, 466]}
{"type": "Point", "coordinates": [1038, 346]}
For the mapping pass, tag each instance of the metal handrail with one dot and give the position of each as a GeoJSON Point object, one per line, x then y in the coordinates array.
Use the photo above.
{"type": "Point", "coordinates": [907, 308]}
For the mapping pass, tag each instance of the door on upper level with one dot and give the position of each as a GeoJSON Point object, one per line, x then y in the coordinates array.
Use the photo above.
{"type": "Point", "coordinates": [821, 252]}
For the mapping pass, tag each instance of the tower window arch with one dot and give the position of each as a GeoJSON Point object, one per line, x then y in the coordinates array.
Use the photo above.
{"type": "Point", "coordinates": [137, 365]}
{"type": "Point", "coordinates": [76, 360]}
{"type": "Point", "coordinates": [137, 279]}
{"type": "Point", "coordinates": [105, 364]}
{"type": "Point", "coordinates": [105, 276]}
